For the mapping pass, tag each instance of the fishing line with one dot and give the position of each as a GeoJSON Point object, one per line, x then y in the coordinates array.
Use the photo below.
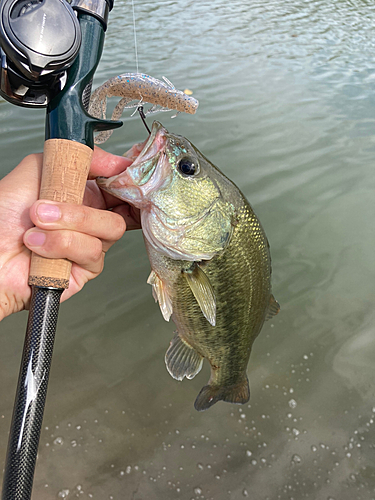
{"type": "Point", "coordinates": [135, 38]}
{"type": "Point", "coordinates": [139, 108]}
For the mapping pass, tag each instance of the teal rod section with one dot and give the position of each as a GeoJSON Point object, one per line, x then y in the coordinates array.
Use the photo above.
{"type": "Point", "coordinates": [67, 117]}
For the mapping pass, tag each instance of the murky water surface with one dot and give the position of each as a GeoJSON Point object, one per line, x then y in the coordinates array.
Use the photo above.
{"type": "Point", "coordinates": [287, 110]}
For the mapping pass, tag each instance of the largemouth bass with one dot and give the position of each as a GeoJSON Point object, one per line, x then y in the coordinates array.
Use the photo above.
{"type": "Point", "coordinates": [210, 261]}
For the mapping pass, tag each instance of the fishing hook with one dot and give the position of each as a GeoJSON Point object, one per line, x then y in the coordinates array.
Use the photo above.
{"type": "Point", "coordinates": [143, 118]}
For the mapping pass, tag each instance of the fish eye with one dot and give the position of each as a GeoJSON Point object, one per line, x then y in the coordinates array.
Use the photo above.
{"type": "Point", "coordinates": [187, 166]}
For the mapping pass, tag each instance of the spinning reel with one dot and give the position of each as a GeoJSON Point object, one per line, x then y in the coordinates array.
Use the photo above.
{"type": "Point", "coordinates": [39, 41]}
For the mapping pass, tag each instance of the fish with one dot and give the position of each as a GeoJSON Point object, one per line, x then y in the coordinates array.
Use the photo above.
{"type": "Point", "coordinates": [210, 261]}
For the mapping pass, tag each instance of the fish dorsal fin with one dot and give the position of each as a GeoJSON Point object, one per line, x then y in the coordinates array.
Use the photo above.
{"type": "Point", "coordinates": [160, 294]}
{"type": "Point", "coordinates": [273, 308]}
{"type": "Point", "coordinates": [203, 292]}
{"type": "Point", "coordinates": [182, 360]}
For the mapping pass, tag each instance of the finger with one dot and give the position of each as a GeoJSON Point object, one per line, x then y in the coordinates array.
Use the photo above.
{"type": "Point", "coordinates": [85, 250]}
{"type": "Point", "coordinates": [103, 224]}
{"type": "Point", "coordinates": [107, 164]}
{"type": "Point", "coordinates": [135, 150]}
{"type": "Point", "coordinates": [22, 183]}
{"type": "Point", "coordinates": [96, 198]}
{"type": "Point", "coordinates": [93, 197]}
{"type": "Point", "coordinates": [131, 215]}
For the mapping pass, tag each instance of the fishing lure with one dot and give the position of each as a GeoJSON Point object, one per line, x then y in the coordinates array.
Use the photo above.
{"type": "Point", "coordinates": [142, 88]}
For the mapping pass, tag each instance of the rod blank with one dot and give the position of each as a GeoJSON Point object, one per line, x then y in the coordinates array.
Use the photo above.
{"type": "Point", "coordinates": [31, 394]}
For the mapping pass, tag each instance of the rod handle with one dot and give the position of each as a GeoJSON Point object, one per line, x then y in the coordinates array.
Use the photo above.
{"type": "Point", "coordinates": [65, 169]}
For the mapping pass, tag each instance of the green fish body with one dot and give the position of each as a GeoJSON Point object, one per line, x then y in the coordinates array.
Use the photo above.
{"type": "Point", "coordinates": [210, 261]}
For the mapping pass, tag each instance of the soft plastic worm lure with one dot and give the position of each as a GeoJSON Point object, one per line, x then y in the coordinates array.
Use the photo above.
{"type": "Point", "coordinates": [142, 88]}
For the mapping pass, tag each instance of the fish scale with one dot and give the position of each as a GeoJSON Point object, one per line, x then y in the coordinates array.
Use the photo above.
{"type": "Point", "coordinates": [240, 278]}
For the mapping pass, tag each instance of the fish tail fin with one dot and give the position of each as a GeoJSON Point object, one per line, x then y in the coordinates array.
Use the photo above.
{"type": "Point", "coordinates": [181, 359]}
{"type": "Point", "coordinates": [210, 394]}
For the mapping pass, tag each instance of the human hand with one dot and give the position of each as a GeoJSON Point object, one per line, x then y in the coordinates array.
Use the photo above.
{"type": "Point", "coordinates": [82, 234]}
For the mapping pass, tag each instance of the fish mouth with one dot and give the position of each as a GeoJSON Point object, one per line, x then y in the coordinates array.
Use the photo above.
{"type": "Point", "coordinates": [127, 185]}
{"type": "Point", "coordinates": [150, 150]}
{"type": "Point", "coordinates": [144, 165]}
{"type": "Point", "coordinates": [153, 145]}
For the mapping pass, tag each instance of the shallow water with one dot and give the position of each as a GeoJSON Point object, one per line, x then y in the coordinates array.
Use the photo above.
{"type": "Point", "coordinates": [287, 111]}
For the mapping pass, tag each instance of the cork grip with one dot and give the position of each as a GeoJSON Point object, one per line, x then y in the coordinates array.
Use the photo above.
{"type": "Point", "coordinates": [65, 169]}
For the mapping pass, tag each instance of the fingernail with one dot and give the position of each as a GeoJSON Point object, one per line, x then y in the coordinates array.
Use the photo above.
{"type": "Point", "coordinates": [48, 213]}
{"type": "Point", "coordinates": [36, 238]}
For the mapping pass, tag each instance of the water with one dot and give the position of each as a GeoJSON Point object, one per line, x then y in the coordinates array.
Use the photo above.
{"type": "Point", "coordinates": [287, 110]}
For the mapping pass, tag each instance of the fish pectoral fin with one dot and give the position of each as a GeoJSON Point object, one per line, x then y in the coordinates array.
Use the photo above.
{"type": "Point", "coordinates": [182, 360]}
{"type": "Point", "coordinates": [211, 394]}
{"type": "Point", "coordinates": [203, 292]}
{"type": "Point", "coordinates": [273, 308]}
{"type": "Point", "coordinates": [160, 294]}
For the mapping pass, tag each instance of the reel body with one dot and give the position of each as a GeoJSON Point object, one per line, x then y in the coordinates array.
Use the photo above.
{"type": "Point", "coordinates": [39, 41]}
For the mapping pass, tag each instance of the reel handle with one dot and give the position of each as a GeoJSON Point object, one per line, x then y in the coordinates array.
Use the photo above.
{"type": "Point", "coordinates": [65, 169]}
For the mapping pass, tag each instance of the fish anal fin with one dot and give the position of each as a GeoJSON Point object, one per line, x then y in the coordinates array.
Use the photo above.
{"type": "Point", "coordinates": [160, 294]}
{"type": "Point", "coordinates": [211, 394]}
{"type": "Point", "coordinates": [203, 292]}
{"type": "Point", "coordinates": [273, 308]}
{"type": "Point", "coordinates": [182, 360]}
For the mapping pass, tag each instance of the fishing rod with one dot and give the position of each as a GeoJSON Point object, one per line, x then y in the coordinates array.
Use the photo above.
{"type": "Point", "coordinates": [50, 50]}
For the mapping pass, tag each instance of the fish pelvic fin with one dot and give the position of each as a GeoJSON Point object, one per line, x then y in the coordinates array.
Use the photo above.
{"type": "Point", "coordinates": [182, 360]}
{"type": "Point", "coordinates": [211, 394]}
{"type": "Point", "coordinates": [203, 292]}
{"type": "Point", "coordinates": [273, 308]}
{"type": "Point", "coordinates": [160, 294]}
